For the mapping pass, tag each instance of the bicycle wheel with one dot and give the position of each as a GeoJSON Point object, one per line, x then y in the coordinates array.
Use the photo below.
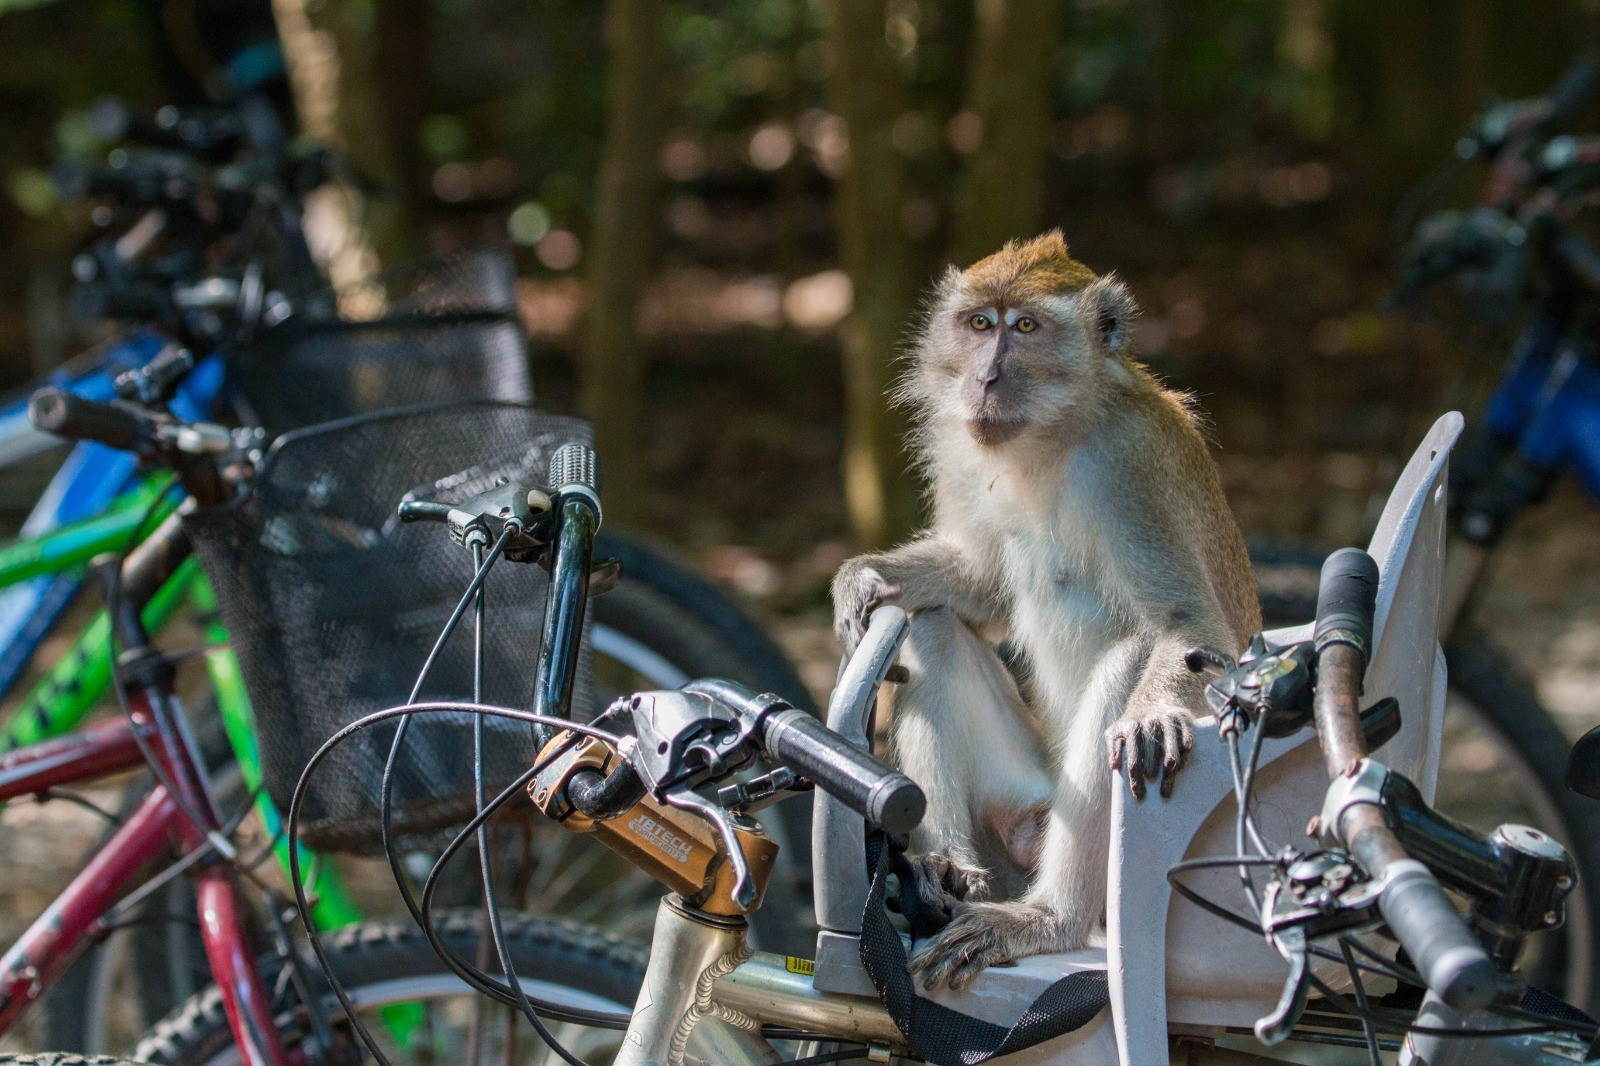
{"type": "Point", "coordinates": [1504, 759]}
{"type": "Point", "coordinates": [430, 1010]}
{"type": "Point", "coordinates": [64, 1058]}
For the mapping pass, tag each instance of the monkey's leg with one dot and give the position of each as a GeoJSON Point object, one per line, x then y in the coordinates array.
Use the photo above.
{"type": "Point", "coordinates": [963, 732]}
{"type": "Point", "coordinates": [1067, 896]}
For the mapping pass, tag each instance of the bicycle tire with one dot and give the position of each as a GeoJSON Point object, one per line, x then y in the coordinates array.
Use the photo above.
{"type": "Point", "coordinates": [377, 962]}
{"type": "Point", "coordinates": [64, 1058]}
{"type": "Point", "coordinates": [1485, 681]}
{"type": "Point", "coordinates": [766, 662]}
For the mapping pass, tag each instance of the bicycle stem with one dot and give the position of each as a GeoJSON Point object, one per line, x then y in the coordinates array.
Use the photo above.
{"type": "Point", "coordinates": [577, 519]}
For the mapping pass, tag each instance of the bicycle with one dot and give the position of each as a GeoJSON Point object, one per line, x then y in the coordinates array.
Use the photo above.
{"type": "Point", "coordinates": [664, 626]}
{"type": "Point", "coordinates": [668, 779]}
{"type": "Point", "coordinates": [1526, 437]}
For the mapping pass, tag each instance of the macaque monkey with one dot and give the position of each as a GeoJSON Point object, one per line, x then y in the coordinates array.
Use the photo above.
{"type": "Point", "coordinates": [1076, 507]}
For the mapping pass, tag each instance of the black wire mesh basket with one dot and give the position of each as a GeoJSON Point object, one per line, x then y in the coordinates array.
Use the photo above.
{"type": "Point", "coordinates": [332, 604]}
{"type": "Point", "coordinates": [443, 329]}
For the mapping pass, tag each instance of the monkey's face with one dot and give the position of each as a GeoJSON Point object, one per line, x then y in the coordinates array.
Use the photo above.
{"type": "Point", "coordinates": [1007, 352]}
{"type": "Point", "coordinates": [1007, 363]}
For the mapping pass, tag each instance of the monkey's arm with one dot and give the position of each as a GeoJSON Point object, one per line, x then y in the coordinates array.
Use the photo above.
{"type": "Point", "coordinates": [929, 572]}
{"type": "Point", "coordinates": [1173, 604]}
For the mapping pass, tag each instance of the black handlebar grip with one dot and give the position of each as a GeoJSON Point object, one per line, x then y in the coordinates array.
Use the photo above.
{"type": "Point", "coordinates": [1577, 85]}
{"type": "Point", "coordinates": [1428, 926]}
{"type": "Point", "coordinates": [1346, 597]}
{"type": "Point", "coordinates": [74, 417]}
{"type": "Point", "coordinates": [873, 789]}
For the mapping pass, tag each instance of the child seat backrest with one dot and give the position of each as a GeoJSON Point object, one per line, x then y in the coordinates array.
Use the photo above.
{"type": "Point", "coordinates": [1150, 837]}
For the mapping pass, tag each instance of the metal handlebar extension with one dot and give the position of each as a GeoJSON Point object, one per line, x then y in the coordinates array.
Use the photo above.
{"type": "Point", "coordinates": [575, 486]}
{"type": "Point", "coordinates": [1447, 955]}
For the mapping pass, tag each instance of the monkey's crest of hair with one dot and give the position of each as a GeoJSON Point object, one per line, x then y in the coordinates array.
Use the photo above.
{"type": "Point", "coordinates": [1027, 270]}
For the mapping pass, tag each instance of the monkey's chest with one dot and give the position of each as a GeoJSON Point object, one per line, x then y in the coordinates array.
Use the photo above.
{"type": "Point", "coordinates": [1065, 624]}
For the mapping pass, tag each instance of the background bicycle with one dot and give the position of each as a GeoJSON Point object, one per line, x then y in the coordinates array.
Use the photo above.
{"type": "Point", "coordinates": [432, 330]}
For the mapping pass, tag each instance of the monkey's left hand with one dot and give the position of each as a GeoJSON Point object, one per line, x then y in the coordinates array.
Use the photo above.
{"type": "Point", "coordinates": [1156, 745]}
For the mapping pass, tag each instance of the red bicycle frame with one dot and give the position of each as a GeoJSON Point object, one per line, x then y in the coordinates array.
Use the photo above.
{"type": "Point", "coordinates": [160, 825]}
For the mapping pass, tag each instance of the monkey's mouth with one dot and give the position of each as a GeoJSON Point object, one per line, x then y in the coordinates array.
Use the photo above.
{"type": "Point", "coordinates": [991, 431]}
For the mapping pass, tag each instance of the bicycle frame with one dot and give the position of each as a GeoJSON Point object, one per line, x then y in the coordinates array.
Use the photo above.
{"type": "Point", "coordinates": [49, 945]}
{"type": "Point", "coordinates": [1548, 404]}
{"type": "Point", "coordinates": [63, 698]}
{"type": "Point", "coordinates": [91, 478]}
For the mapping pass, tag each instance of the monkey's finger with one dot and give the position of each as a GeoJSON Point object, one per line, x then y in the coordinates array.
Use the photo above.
{"type": "Point", "coordinates": [1185, 739]}
{"type": "Point", "coordinates": [1151, 738]}
{"type": "Point", "coordinates": [1178, 754]}
{"type": "Point", "coordinates": [963, 956]}
{"type": "Point", "coordinates": [971, 962]}
{"type": "Point", "coordinates": [930, 883]}
{"type": "Point", "coordinates": [932, 963]}
{"type": "Point", "coordinates": [1172, 753]}
{"type": "Point", "coordinates": [1115, 742]}
{"type": "Point", "coordinates": [1136, 772]}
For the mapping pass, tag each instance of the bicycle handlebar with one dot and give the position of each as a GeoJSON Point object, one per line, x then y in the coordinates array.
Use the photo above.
{"type": "Point", "coordinates": [75, 417]}
{"type": "Point", "coordinates": [206, 131]}
{"type": "Point", "coordinates": [855, 777]}
{"type": "Point", "coordinates": [878, 792]}
{"type": "Point", "coordinates": [1347, 596]}
{"type": "Point", "coordinates": [1449, 958]}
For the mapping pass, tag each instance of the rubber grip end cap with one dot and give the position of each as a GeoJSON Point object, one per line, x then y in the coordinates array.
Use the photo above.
{"type": "Point", "coordinates": [1465, 979]}
{"type": "Point", "coordinates": [897, 805]}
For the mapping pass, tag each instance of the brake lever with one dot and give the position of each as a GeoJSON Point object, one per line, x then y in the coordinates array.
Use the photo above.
{"type": "Point", "coordinates": [1276, 1026]}
{"type": "Point", "coordinates": [744, 886]}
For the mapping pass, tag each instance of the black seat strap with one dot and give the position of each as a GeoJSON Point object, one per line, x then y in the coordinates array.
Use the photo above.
{"type": "Point", "coordinates": [946, 1037]}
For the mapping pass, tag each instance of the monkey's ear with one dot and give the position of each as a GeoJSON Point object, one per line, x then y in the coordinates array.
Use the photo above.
{"type": "Point", "coordinates": [1109, 309]}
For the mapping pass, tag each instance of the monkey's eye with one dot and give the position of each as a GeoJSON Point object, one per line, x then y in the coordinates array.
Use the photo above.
{"type": "Point", "coordinates": [1026, 325]}
{"type": "Point", "coordinates": [980, 322]}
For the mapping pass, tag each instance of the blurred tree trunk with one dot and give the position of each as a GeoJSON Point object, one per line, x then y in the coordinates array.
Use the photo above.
{"type": "Point", "coordinates": [339, 102]}
{"type": "Point", "coordinates": [1010, 92]}
{"type": "Point", "coordinates": [948, 55]}
{"type": "Point", "coordinates": [791, 177]}
{"type": "Point", "coordinates": [867, 94]}
{"type": "Point", "coordinates": [402, 73]}
{"type": "Point", "coordinates": [612, 385]}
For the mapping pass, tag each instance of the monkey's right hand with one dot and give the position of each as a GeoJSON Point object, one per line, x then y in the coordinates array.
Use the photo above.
{"type": "Point", "coordinates": [858, 590]}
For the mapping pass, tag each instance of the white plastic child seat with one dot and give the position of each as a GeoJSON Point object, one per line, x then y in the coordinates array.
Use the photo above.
{"type": "Point", "coordinates": [1170, 963]}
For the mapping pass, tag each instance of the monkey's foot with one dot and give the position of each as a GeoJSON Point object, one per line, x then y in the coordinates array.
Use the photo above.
{"type": "Point", "coordinates": [941, 882]}
{"type": "Point", "coordinates": [1156, 745]}
{"type": "Point", "coordinates": [988, 934]}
